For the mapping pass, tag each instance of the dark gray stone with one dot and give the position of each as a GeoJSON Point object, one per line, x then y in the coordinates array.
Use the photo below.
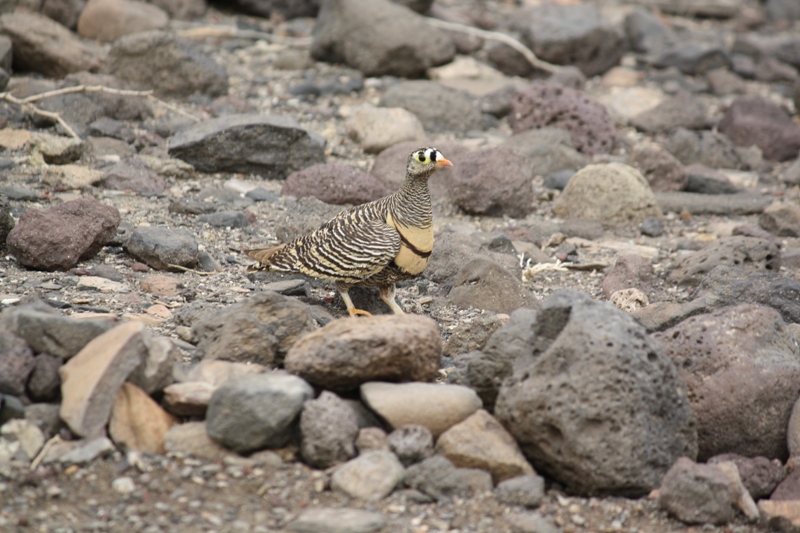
{"type": "Point", "coordinates": [259, 330]}
{"type": "Point", "coordinates": [328, 428]}
{"type": "Point", "coordinates": [439, 108]}
{"type": "Point", "coordinates": [713, 204]}
{"type": "Point", "coordinates": [703, 180]}
{"type": "Point", "coordinates": [56, 334]}
{"type": "Point", "coordinates": [6, 221]}
{"type": "Point", "coordinates": [548, 149]}
{"type": "Point", "coordinates": [755, 121]}
{"type": "Point", "coordinates": [160, 247]}
{"type": "Point", "coordinates": [44, 382]}
{"type": "Point", "coordinates": [596, 404]}
{"type": "Point", "coordinates": [682, 110]}
{"type": "Point", "coordinates": [484, 284]}
{"type": "Point", "coordinates": [162, 61]}
{"type": "Point", "coordinates": [697, 494]}
{"type": "Point", "coordinates": [708, 148]}
{"type": "Point", "coordinates": [746, 252]}
{"type": "Point", "coordinates": [411, 443]}
{"type": "Point", "coordinates": [335, 183]}
{"type": "Point", "coordinates": [378, 38]}
{"type": "Point", "coordinates": [729, 285]}
{"type": "Point", "coordinates": [525, 491]}
{"type": "Point", "coordinates": [572, 34]}
{"type": "Point", "coordinates": [16, 363]}
{"type": "Point", "coordinates": [256, 411]}
{"type": "Point", "coordinates": [485, 370]}
{"type": "Point", "coordinates": [439, 478]}
{"type": "Point", "coordinates": [652, 227]}
{"type": "Point", "coordinates": [693, 58]}
{"type": "Point", "coordinates": [268, 145]}
{"type": "Point", "coordinates": [646, 33]}
{"type": "Point", "coordinates": [493, 182]}
{"type": "Point", "coordinates": [225, 219]}
{"type": "Point", "coordinates": [133, 174]}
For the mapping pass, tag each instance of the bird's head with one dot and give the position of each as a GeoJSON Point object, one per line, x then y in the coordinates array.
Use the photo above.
{"type": "Point", "coordinates": [422, 162]}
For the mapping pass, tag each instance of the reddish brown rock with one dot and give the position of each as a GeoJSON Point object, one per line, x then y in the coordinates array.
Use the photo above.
{"type": "Point", "coordinates": [334, 183]}
{"type": "Point", "coordinates": [351, 351]}
{"type": "Point", "coordinates": [57, 239]}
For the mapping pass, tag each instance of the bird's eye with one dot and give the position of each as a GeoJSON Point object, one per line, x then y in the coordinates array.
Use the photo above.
{"type": "Point", "coordinates": [422, 158]}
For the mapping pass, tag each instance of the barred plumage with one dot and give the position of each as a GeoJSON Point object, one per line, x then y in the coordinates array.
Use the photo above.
{"type": "Point", "coordinates": [374, 244]}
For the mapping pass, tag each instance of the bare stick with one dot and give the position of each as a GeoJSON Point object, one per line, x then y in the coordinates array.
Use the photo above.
{"type": "Point", "coordinates": [205, 32]}
{"type": "Point", "coordinates": [49, 114]}
{"type": "Point", "coordinates": [497, 36]}
{"type": "Point", "coordinates": [193, 271]}
{"type": "Point", "coordinates": [27, 103]}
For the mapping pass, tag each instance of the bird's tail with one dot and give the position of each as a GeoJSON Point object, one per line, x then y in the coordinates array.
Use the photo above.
{"type": "Point", "coordinates": [262, 255]}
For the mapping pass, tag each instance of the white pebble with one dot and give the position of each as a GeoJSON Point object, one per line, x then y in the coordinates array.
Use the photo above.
{"type": "Point", "coordinates": [123, 485]}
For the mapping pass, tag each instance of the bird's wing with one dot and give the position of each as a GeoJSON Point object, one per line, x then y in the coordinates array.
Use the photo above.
{"type": "Point", "coordinates": [347, 248]}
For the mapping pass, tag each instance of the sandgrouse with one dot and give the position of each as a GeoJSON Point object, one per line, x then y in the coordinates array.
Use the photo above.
{"type": "Point", "coordinates": [374, 244]}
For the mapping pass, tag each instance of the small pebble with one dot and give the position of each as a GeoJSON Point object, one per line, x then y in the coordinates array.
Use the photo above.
{"type": "Point", "coordinates": [123, 485]}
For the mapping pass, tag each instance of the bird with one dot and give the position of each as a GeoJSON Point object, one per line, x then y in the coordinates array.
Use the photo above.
{"type": "Point", "coordinates": [375, 244]}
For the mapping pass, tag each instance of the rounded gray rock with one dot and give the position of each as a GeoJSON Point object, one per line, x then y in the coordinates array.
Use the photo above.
{"type": "Point", "coordinates": [328, 428]}
{"type": "Point", "coordinates": [256, 411]}
{"type": "Point", "coordinates": [411, 443]}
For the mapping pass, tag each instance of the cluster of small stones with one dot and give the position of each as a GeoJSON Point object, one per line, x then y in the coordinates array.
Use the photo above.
{"type": "Point", "coordinates": [655, 170]}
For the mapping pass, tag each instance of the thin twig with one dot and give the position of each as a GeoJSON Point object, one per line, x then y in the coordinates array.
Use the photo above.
{"type": "Point", "coordinates": [497, 36]}
{"type": "Point", "coordinates": [187, 269]}
{"type": "Point", "coordinates": [46, 448]}
{"type": "Point", "coordinates": [28, 102]}
{"type": "Point", "coordinates": [205, 32]}
{"type": "Point", "coordinates": [49, 114]}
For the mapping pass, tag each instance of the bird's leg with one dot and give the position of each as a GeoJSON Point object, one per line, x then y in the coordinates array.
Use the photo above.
{"type": "Point", "coordinates": [343, 288]}
{"type": "Point", "coordinates": [387, 295]}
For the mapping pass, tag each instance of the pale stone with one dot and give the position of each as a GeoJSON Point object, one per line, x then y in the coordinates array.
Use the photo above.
{"type": "Point", "coordinates": [437, 407]}
{"type": "Point", "coordinates": [376, 129]}
{"type": "Point", "coordinates": [188, 399]}
{"type": "Point", "coordinates": [91, 379]}
{"type": "Point", "coordinates": [138, 422]}
{"type": "Point", "coordinates": [71, 176]}
{"type": "Point", "coordinates": [371, 476]}
{"type": "Point", "coordinates": [192, 438]}
{"type": "Point", "coordinates": [482, 442]}
{"type": "Point", "coordinates": [101, 284]}
{"type": "Point", "coordinates": [26, 433]}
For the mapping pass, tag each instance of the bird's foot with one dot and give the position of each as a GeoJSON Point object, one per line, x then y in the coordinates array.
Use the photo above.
{"type": "Point", "coordinates": [358, 312]}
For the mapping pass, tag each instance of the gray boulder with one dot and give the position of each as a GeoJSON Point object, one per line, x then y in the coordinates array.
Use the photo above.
{"type": "Point", "coordinates": [259, 330]}
{"type": "Point", "coordinates": [163, 62]}
{"type": "Point", "coordinates": [439, 108]}
{"type": "Point", "coordinates": [596, 405]}
{"type": "Point", "coordinates": [160, 247]}
{"type": "Point", "coordinates": [328, 428]}
{"type": "Point", "coordinates": [378, 38]}
{"type": "Point", "coordinates": [268, 145]}
{"type": "Point", "coordinates": [256, 411]}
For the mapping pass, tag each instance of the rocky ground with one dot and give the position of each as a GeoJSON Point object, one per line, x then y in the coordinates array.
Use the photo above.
{"type": "Point", "coordinates": [655, 170]}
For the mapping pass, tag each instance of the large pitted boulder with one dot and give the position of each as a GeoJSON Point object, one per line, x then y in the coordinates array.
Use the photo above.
{"type": "Point", "coordinates": [543, 105]}
{"type": "Point", "coordinates": [493, 182]}
{"type": "Point", "coordinates": [754, 121]}
{"type": "Point", "coordinates": [572, 34]}
{"type": "Point", "coordinates": [597, 405]}
{"type": "Point", "coordinates": [45, 46]}
{"type": "Point", "coordinates": [259, 330]}
{"type": "Point", "coordinates": [57, 239]}
{"type": "Point", "coordinates": [334, 183]}
{"type": "Point", "coordinates": [751, 253]}
{"type": "Point", "coordinates": [378, 37]}
{"type": "Point", "coordinates": [268, 145]}
{"type": "Point", "coordinates": [348, 352]}
{"type": "Point", "coordinates": [165, 63]}
{"type": "Point", "coordinates": [614, 193]}
{"type": "Point", "coordinates": [256, 411]}
{"type": "Point", "coordinates": [742, 368]}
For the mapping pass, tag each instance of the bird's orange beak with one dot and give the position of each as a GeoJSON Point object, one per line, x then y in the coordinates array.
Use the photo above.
{"type": "Point", "coordinates": [444, 163]}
